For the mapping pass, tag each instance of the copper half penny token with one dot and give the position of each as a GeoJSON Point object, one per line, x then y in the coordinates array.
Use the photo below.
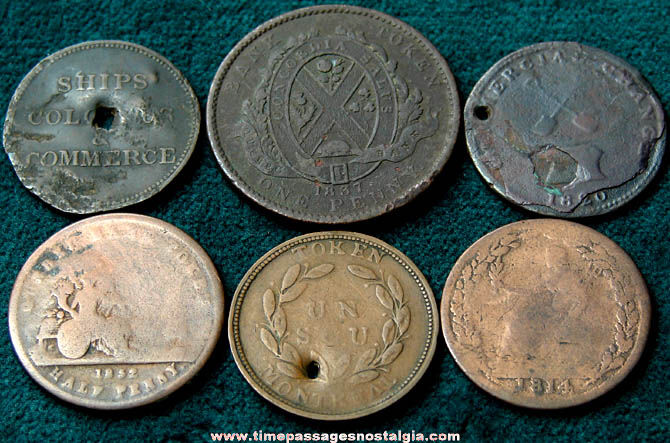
{"type": "Point", "coordinates": [116, 311]}
{"type": "Point", "coordinates": [333, 325]}
{"type": "Point", "coordinates": [545, 313]}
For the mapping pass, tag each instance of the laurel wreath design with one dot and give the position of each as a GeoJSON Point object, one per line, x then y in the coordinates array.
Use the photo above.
{"type": "Point", "coordinates": [391, 296]}
{"type": "Point", "coordinates": [273, 332]}
{"type": "Point", "coordinates": [490, 266]}
{"type": "Point", "coordinates": [601, 263]}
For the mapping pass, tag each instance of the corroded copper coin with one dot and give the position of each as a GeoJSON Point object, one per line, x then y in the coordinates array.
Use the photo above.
{"type": "Point", "coordinates": [100, 125]}
{"type": "Point", "coordinates": [565, 130]}
{"type": "Point", "coordinates": [116, 311]}
{"type": "Point", "coordinates": [545, 313]}
{"type": "Point", "coordinates": [333, 325]}
{"type": "Point", "coordinates": [333, 114]}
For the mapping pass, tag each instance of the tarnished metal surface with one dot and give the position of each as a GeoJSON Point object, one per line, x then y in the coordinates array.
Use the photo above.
{"type": "Point", "coordinates": [333, 114]}
{"type": "Point", "coordinates": [100, 125]}
{"type": "Point", "coordinates": [333, 325]}
{"type": "Point", "coordinates": [545, 313]}
{"type": "Point", "coordinates": [565, 130]}
{"type": "Point", "coordinates": [116, 311]}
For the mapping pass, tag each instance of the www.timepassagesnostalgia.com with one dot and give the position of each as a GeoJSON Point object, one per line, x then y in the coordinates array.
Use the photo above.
{"type": "Point", "coordinates": [399, 436]}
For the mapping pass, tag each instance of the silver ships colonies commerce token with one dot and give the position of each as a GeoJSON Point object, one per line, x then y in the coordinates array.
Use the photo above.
{"type": "Point", "coordinates": [101, 125]}
{"type": "Point", "coordinates": [565, 130]}
{"type": "Point", "coordinates": [333, 114]}
{"type": "Point", "coordinates": [116, 311]}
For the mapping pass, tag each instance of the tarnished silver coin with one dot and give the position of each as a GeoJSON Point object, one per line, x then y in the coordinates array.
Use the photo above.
{"type": "Point", "coordinates": [545, 313]}
{"type": "Point", "coordinates": [333, 114]}
{"type": "Point", "coordinates": [100, 125]}
{"type": "Point", "coordinates": [116, 311]}
{"type": "Point", "coordinates": [333, 325]}
{"type": "Point", "coordinates": [565, 130]}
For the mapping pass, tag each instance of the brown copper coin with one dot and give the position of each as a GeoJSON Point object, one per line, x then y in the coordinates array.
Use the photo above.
{"type": "Point", "coordinates": [545, 313]}
{"type": "Point", "coordinates": [333, 325]}
{"type": "Point", "coordinates": [565, 130]}
{"type": "Point", "coordinates": [333, 114]}
{"type": "Point", "coordinates": [116, 311]}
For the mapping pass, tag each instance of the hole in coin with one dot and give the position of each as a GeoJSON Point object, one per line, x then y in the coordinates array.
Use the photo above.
{"type": "Point", "coordinates": [482, 112]}
{"type": "Point", "coordinates": [312, 369]}
{"type": "Point", "coordinates": [104, 117]}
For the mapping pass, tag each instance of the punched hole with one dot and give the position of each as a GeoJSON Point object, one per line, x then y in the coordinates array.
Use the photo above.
{"type": "Point", "coordinates": [482, 112]}
{"type": "Point", "coordinates": [104, 117]}
{"type": "Point", "coordinates": [312, 370]}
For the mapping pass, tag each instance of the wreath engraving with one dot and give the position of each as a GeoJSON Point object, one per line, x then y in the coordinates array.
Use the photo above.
{"type": "Point", "coordinates": [273, 332]}
{"type": "Point", "coordinates": [601, 263]}
{"type": "Point", "coordinates": [391, 296]}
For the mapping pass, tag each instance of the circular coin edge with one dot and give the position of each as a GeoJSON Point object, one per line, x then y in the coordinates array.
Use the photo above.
{"type": "Point", "coordinates": [634, 357]}
{"type": "Point", "coordinates": [240, 183]}
{"type": "Point", "coordinates": [418, 371]}
{"type": "Point", "coordinates": [217, 311]}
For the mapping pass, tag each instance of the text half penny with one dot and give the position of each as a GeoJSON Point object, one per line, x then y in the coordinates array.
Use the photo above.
{"type": "Point", "coordinates": [116, 311]}
{"type": "Point", "coordinates": [545, 313]}
{"type": "Point", "coordinates": [333, 325]}
{"type": "Point", "coordinates": [333, 114]}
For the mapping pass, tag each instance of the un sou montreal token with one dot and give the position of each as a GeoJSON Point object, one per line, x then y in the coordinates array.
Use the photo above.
{"type": "Point", "coordinates": [333, 325]}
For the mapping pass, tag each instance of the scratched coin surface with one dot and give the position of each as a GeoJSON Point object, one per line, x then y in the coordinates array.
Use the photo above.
{"type": "Point", "coordinates": [333, 325]}
{"type": "Point", "coordinates": [116, 311]}
{"type": "Point", "coordinates": [545, 313]}
{"type": "Point", "coordinates": [565, 130]}
{"type": "Point", "coordinates": [100, 125]}
{"type": "Point", "coordinates": [333, 114]}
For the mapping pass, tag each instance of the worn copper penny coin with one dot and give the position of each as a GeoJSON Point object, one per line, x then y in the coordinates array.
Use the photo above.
{"type": "Point", "coordinates": [116, 311]}
{"type": "Point", "coordinates": [545, 313]}
{"type": "Point", "coordinates": [333, 325]}
{"type": "Point", "coordinates": [100, 125]}
{"type": "Point", "coordinates": [333, 114]}
{"type": "Point", "coordinates": [565, 130]}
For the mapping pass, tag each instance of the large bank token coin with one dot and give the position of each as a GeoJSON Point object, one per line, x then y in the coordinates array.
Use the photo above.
{"type": "Point", "coordinates": [565, 130]}
{"type": "Point", "coordinates": [116, 311]}
{"type": "Point", "coordinates": [545, 313]}
{"type": "Point", "coordinates": [333, 325]}
{"type": "Point", "coordinates": [333, 114]}
{"type": "Point", "coordinates": [100, 125]}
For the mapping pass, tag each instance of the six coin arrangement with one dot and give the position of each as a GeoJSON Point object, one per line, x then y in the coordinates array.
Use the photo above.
{"type": "Point", "coordinates": [318, 118]}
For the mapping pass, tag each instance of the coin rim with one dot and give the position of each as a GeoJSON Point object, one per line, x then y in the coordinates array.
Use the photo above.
{"type": "Point", "coordinates": [643, 298]}
{"type": "Point", "coordinates": [227, 63]}
{"type": "Point", "coordinates": [217, 309]}
{"type": "Point", "coordinates": [153, 189]}
{"type": "Point", "coordinates": [643, 178]}
{"type": "Point", "coordinates": [268, 257]}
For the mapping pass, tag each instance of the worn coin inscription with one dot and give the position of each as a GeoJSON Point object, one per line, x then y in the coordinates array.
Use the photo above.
{"type": "Point", "coordinates": [545, 313]}
{"type": "Point", "coordinates": [333, 325]}
{"type": "Point", "coordinates": [565, 129]}
{"type": "Point", "coordinates": [100, 125]}
{"type": "Point", "coordinates": [116, 311]}
{"type": "Point", "coordinates": [333, 114]}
